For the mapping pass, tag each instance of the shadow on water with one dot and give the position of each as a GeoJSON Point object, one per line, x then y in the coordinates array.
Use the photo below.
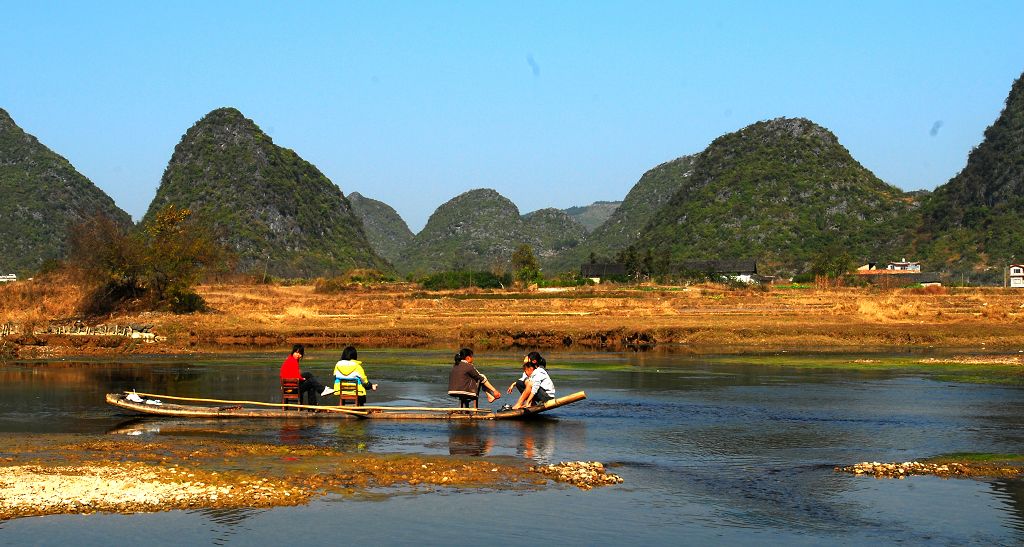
{"type": "Point", "coordinates": [226, 523]}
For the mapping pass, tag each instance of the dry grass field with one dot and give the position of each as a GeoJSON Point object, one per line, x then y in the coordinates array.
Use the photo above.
{"type": "Point", "coordinates": [695, 318]}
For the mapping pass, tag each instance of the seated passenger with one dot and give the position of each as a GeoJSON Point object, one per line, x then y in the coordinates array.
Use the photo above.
{"type": "Point", "coordinates": [350, 370]}
{"type": "Point", "coordinates": [308, 384]}
{"type": "Point", "coordinates": [537, 388]}
{"type": "Point", "coordinates": [533, 357]}
{"type": "Point", "coordinates": [464, 380]}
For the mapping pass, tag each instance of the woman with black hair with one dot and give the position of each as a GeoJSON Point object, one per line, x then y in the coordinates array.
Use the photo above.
{"type": "Point", "coordinates": [535, 386]}
{"type": "Point", "coordinates": [464, 380]}
{"type": "Point", "coordinates": [538, 362]}
{"type": "Point", "coordinates": [309, 386]}
{"type": "Point", "coordinates": [349, 370]}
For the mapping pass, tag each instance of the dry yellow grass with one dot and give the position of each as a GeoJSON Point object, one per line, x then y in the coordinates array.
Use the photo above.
{"type": "Point", "coordinates": [38, 300]}
{"type": "Point", "coordinates": [694, 317]}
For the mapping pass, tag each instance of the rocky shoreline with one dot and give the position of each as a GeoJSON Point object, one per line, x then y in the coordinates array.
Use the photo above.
{"type": "Point", "coordinates": [584, 475]}
{"type": "Point", "coordinates": [945, 469]}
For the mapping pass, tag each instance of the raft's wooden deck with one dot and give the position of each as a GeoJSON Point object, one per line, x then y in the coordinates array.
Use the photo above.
{"type": "Point", "coordinates": [305, 412]}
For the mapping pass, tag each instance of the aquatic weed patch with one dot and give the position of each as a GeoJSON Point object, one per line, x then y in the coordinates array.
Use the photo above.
{"type": "Point", "coordinates": [978, 369]}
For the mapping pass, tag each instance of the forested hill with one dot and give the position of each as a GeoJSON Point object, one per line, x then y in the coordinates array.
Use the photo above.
{"type": "Point", "coordinates": [387, 232]}
{"type": "Point", "coordinates": [977, 218]}
{"type": "Point", "coordinates": [593, 215]}
{"type": "Point", "coordinates": [626, 222]}
{"type": "Point", "coordinates": [480, 229]}
{"type": "Point", "coordinates": [41, 196]}
{"type": "Point", "coordinates": [783, 191]}
{"type": "Point", "coordinates": [271, 207]}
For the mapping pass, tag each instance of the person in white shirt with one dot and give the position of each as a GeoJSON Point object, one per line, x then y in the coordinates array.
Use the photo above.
{"type": "Point", "coordinates": [535, 385]}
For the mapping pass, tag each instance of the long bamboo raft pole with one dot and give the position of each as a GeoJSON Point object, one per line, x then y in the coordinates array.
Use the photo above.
{"type": "Point", "coordinates": [256, 403]}
{"type": "Point", "coordinates": [362, 409]}
{"type": "Point", "coordinates": [280, 410]}
{"type": "Point", "coordinates": [426, 408]}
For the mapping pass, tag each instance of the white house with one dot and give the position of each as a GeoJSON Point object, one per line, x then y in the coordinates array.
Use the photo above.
{"type": "Point", "coordinates": [904, 266]}
{"type": "Point", "coordinates": [1017, 276]}
{"type": "Point", "coordinates": [8, 278]}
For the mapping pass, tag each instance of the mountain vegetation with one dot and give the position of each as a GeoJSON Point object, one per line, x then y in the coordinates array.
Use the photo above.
{"type": "Point", "coordinates": [593, 215]}
{"type": "Point", "coordinates": [277, 212]}
{"type": "Point", "coordinates": [781, 191]}
{"type": "Point", "coordinates": [977, 218]}
{"type": "Point", "coordinates": [387, 232]}
{"type": "Point", "coordinates": [625, 224]}
{"type": "Point", "coordinates": [480, 230]}
{"type": "Point", "coordinates": [552, 233]}
{"type": "Point", "coordinates": [41, 196]}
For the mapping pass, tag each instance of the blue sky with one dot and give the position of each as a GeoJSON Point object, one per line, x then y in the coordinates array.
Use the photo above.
{"type": "Point", "coordinates": [553, 104]}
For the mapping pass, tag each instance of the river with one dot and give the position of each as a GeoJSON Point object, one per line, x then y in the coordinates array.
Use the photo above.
{"type": "Point", "coordinates": [711, 452]}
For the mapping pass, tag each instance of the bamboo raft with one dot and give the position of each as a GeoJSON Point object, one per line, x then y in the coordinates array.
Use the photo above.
{"type": "Point", "coordinates": [254, 409]}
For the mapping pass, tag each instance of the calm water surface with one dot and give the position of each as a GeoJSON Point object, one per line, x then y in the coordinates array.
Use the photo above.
{"type": "Point", "coordinates": [710, 453]}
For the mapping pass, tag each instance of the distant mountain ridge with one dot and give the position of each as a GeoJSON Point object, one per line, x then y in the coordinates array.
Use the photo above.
{"type": "Point", "coordinates": [624, 225]}
{"type": "Point", "coordinates": [41, 196]}
{"type": "Point", "coordinates": [977, 218]}
{"type": "Point", "coordinates": [480, 229]}
{"type": "Point", "coordinates": [271, 207]}
{"type": "Point", "coordinates": [387, 232]}
{"type": "Point", "coordinates": [593, 215]}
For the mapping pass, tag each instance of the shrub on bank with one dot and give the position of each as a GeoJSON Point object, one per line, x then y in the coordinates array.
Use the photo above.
{"type": "Point", "coordinates": [464, 280]}
{"type": "Point", "coordinates": [351, 279]}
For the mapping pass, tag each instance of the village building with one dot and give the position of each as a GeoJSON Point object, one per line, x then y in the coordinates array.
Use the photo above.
{"type": "Point", "coordinates": [900, 267]}
{"type": "Point", "coordinates": [1017, 276]}
{"type": "Point", "coordinates": [8, 278]}
{"type": "Point", "coordinates": [904, 266]}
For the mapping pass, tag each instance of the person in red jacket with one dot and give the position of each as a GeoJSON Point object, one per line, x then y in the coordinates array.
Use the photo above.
{"type": "Point", "coordinates": [308, 385]}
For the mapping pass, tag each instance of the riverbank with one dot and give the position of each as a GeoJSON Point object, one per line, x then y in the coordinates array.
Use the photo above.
{"type": "Point", "coordinates": [695, 319]}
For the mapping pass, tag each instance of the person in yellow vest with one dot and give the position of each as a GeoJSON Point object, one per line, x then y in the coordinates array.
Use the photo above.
{"type": "Point", "coordinates": [350, 369]}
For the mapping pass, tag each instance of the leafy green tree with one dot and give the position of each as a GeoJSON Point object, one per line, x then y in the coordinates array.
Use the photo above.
{"type": "Point", "coordinates": [525, 265]}
{"type": "Point", "coordinates": [156, 267]}
{"type": "Point", "coordinates": [831, 262]}
{"type": "Point", "coordinates": [631, 262]}
{"type": "Point", "coordinates": [647, 264]}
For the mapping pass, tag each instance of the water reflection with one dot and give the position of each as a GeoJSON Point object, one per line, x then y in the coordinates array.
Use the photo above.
{"type": "Point", "coordinates": [470, 440]}
{"type": "Point", "coordinates": [1012, 494]}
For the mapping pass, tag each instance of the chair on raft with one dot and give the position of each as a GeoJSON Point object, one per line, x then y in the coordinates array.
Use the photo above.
{"type": "Point", "coordinates": [348, 390]}
{"type": "Point", "coordinates": [290, 392]}
{"type": "Point", "coordinates": [465, 400]}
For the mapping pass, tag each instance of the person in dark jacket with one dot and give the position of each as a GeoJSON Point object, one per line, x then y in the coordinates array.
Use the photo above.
{"type": "Point", "coordinates": [464, 380]}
